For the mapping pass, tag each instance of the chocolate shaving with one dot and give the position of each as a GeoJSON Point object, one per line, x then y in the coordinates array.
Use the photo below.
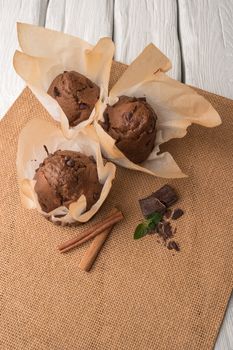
{"type": "Point", "coordinates": [167, 230]}
{"type": "Point", "coordinates": [168, 214]}
{"type": "Point", "coordinates": [173, 245]}
{"type": "Point", "coordinates": [46, 149]}
{"type": "Point", "coordinates": [159, 229]}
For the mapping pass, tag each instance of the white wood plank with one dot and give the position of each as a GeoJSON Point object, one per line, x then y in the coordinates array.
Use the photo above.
{"type": "Point", "coordinates": [32, 11]}
{"type": "Point", "coordinates": [88, 19]}
{"type": "Point", "coordinates": [137, 23]}
{"type": "Point", "coordinates": [206, 34]}
{"type": "Point", "coordinates": [225, 337]}
{"type": "Point", "coordinates": [206, 28]}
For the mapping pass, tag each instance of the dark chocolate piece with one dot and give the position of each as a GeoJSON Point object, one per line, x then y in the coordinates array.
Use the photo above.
{"type": "Point", "coordinates": [177, 214]}
{"type": "Point", "coordinates": [173, 245]}
{"type": "Point", "coordinates": [166, 195]}
{"type": "Point", "coordinates": [150, 205]}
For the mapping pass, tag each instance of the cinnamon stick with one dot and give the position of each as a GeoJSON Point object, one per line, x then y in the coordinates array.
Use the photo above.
{"type": "Point", "coordinates": [92, 252]}
{"type": "Point", "coordinates": [93, 231]}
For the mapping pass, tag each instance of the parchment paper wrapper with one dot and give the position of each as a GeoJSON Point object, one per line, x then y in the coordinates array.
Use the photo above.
{"type": "Point", "coordinates": [31, 153]}
{"type": "Point", "coordinates": [176, 105]}
{"type": "Point", "coordinates": [47, 53]}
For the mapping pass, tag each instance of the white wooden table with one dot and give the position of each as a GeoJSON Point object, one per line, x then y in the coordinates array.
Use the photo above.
{"type": "Point", "coordinates": [197, 35]}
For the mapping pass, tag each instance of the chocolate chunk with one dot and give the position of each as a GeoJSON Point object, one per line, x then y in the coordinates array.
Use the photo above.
{"type": "Point", "coordinates": [173, 245]}
{"type": "Point", "coordinates": [177, 214]}
{"type": "Point", "coordinates": [150, 205]}
{"type": "Point", "coordinates": [166, 195]}
{"type": "Point", "coordinates": [82, 106]}
{"type": "Point", "coordinates": [70, 162]}
{"type": "Point", "coordinates": [56, 92]}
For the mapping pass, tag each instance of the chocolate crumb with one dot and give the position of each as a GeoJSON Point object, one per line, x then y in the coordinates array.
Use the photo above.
{"type": "Point", "coordinates": [168, 214]}
{"type": "Point", "coordinates": [177, 214]}
{"type": "Point", "coordinates": [173, 245]}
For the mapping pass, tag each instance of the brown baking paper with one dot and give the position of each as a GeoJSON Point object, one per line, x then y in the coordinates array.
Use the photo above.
{"type": "Point", "coordinates": [31, 153]}
{"type": "Point", "coordinates": [47, 53]}
{"type": "Point", "coordinates": [138, 295]}
{"type": "Point", "coordinates": [176, 105]}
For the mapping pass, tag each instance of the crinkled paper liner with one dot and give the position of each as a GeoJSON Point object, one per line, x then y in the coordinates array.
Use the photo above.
{"type": "Point", "coordinates": [31, 153]}
{"type": "Point", "coordinates": [177, 106]}
{"type": "Point", "coordinates": [48, 53]}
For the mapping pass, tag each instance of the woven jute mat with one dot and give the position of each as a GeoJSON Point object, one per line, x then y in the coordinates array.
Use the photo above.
{"type": "Point", "coordinates": [139, 295]}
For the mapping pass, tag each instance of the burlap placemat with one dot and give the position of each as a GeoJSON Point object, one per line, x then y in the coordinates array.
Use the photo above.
{"type": "Point", "coordinates": [139, 295]}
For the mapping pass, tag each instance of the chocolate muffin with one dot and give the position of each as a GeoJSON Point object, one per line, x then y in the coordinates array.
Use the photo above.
{"type": "Point", "coordinates": [76, 94]}
{"type": "Point", "coordinates": [63, 177]}
{"type": "Point", "coordinates": [132, 123]}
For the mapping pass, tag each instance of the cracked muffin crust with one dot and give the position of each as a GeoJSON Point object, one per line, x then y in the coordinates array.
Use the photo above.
{"type": "Point", "coordinates": [76, 94]}
{"type": "Point", "coordinates": [63, 177]}
{"type": "Point", "coordinates": [132, 123]}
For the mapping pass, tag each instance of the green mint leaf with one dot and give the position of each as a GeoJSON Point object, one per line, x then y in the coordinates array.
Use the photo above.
{"type": "Point", "coordinates": [140, 231]}
{"type": "Point", "coordinates": [155, 218]}
{"type": "Point", "coordinates": [151, 225]}
{"type": "Point", "coordinates": [148, 225]}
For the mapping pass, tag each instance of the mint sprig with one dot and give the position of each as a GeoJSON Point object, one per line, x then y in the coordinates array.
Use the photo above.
{"type": "Point", "coordinates": [147, 225]}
